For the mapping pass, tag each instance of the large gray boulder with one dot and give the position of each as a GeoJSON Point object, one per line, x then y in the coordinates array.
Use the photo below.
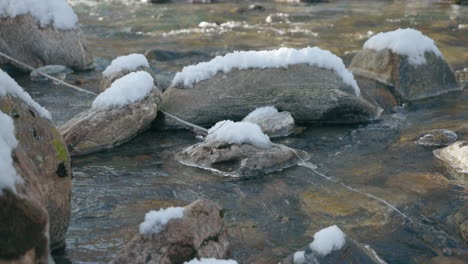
{"type": "Point", "coordinates": [200, 233]}
{"type": "Point", "coordinates": [98, 129]}
{"type": "Point", "coordinates": [310, 94]}
{"type": "Point", "coordinates": [243, 160]}
{"type": "Point", "coordinates": [23, 38]}
{"type": "Point", "coordinates": [46, 149]}
{"type": "Point", "coordinates": [408, 82]}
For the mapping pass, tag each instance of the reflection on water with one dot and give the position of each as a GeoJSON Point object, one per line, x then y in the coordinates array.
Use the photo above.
{"type": "Point", "coordinates": [272, 216]}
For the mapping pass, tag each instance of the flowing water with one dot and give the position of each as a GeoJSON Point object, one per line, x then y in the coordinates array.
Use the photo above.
{"type": "Point", "coordinates": [371, 180]}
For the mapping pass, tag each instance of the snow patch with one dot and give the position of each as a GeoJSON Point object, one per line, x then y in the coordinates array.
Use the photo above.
{"type": "Point", "coordinates": [8, 86]}
{"type": "Point", "coordinates": [261, 112]}
{"type": "Point", "coordinates": [156, 220]}
{"type": "Point", "coordinates": [299, 257]}
{"type": "Point", "coordinates": [46, 12]}
{"type": "Point", "coordinates": [328, 240]}
{"type": "Point", "coordinates": [211, 261]}
{"type": "Point", "coordinates": [265, 59]}
{"type": "Point", "coordinates": [126, 90]}
{"type": "Point", "coordinates": [238, 133]}
{"type": "Point", "coordinates": [409, 42]}
{"type": "Point", "coordinates": [129, 62]}
{"type": "Point", "coordinates": [9, 177]}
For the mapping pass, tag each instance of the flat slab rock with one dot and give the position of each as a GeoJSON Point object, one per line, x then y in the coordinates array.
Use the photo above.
{"type": "Point", "coordinates": [455, 157]}
{"type": "Point", "coordinates": [310, 94]}
{"type": "Point", "coordinates": [200, 233]}
{"type": "Point", "coordinates": [408, 82]}
{"type": "Point", "coordinates": [240, 160]}
{"type": "Point", "coordinates": [23, 39]}
{"type": "Point", "coordinates": [99, 129]}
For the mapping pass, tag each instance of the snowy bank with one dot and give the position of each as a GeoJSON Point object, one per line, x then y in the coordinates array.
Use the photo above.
{"type": "Point", "coordinates": [327, 240]}
{"type": "Point", "coordinates": [126, 90]}
{"type": "Point", "coordinates": [9, 177]}
{"type": "Point", "coordinates": [265, 59]}
{"type": "Point", "coordinates": [156, 220]}
{"type": "Point", "coordinates": [129, 62]}
{"type": "Point", "coordinates": [238, 133]}
{"type": "Point", "coordinates": [408, 42]}
{"type": "Point", "coordinates": [8, 86]}
{"type": "Point", "coordinates": [46, 12]}
{"type": "Point", "coordinates": [211, 261]}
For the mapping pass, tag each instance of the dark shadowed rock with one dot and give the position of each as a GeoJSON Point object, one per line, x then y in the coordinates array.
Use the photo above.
{"type": "Point", "coordinates": [309, 93]}
{"type": "Point", "coordinates": [98, 129]}
{"type": "Point", "coordinates": [49, 163]}
{"type": "Point", "coordinates": [22, 38]}
{"type": "Point", "coordinates": [200, 233]}
{"type": "Point", "coordinates": [461, 221]}
{"type": "Point", "coordinates": [408, 82]}
{"type": "Point", "coordinates": [240, 160]}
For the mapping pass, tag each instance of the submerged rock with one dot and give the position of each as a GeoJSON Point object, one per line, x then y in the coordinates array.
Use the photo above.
{"type": "Point", "coordinates": [309, 93]}
{"type": "Point", "coordinates": [455, 157]}
{"type": "Point", "coordinates": [461, 221]}
{"type": "Point", "coordinates": [58, 71]}
{"type": "Point", "coordinates": [272, 122]}
{"type": "Point", "coordinates": [410, 77]}
{"type": "Point", "coordinates": [437, 138]}
{"type": "Point", "coordinates": [107, 126]}
{"type": "Point", "coordinates": [334, 248]}
{"type": "Point", "coordinates": [24, 39]}
{"type": "Point", "coordinates": [198, 233]}
{"type": "Point", "coordinates": [240, 160]}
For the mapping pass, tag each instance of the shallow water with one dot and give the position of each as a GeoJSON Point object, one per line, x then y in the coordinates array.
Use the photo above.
{"type": "Point", "coordinates": [271, 216]}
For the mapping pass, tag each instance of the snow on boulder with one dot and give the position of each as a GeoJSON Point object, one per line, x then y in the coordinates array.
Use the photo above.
{"type": "Point", "coordinates": [310, 83]}
{"type": "Point", "coordinates": [327, 240]}
{"type": "Point", "coordinates": [122, 66]}
{"type": "Point", "coordinates": [8, 86]}
{"type": "Point", "coordinates": [42, 33]}
{"type": "Point", "coordinates": [126, 90]}
{"type": "Point", "coordinates": [238, 133]}
{"type": "Point", "coordinates": [196, 230]}
{"type": "Point", "coordinates": [155, 220]}
{"type": "Point", "coordinates": [272, 122]}
{"type": "Point", "coordinates": [211, 261]}
{"type": "Point", "coordinates": [46, 12]}
{"type": "Point", "coordinates": [407, 61]}
{"type": "Point", "coordinates": [42, 161]}
{"type": "Point", "coordinates": [117, 115]}
{"type": "Point", "coordinates": [9, 177]}
{"type": "Point", "coordinates": [331, 246]}
{"type": "Point", "coordinates": [280, 58]}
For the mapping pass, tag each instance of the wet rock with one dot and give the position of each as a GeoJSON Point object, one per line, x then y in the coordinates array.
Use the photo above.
{"type": "Point", "coordinates": [461, 221]}
{"type": "Point", "coordinates": [46, 150]}
{"type": "Point", "coordinates": [273, 123]}
{"type": "Point", "coordinates": [408, 82]}
{"type": "Point", "coordinates": [58, 71]}
{"type": "Point", "coordinates": [240, 160]}
{"type": "Point", "coordinates": [277, 18]}
{"type": "Point", "coordinates": [462, 76]}
{"type": "Point", "coordinates": [98, 129]}
{"type": "Point", "coordinates": [421, 183]}
{"type": "Point", "coordinates": [310, 94]}
{"type": "Point", "coordinates": [24, 39]}
{"type": "Point", "coordinates": [437, 138]}
{"type": "Point", "coordinates": [200, 233]}
{"type": "Point", "coordinates": [348, 56]}
{"type": "Point", "coordinates": [455, 157]}
{"type": "Point", "coordinates": [351, 252]}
